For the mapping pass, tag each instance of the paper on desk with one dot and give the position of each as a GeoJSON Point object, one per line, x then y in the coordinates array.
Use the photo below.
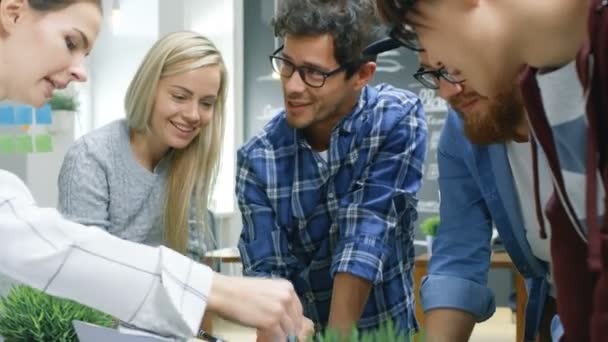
{"type": "Point", "coordinates": [93, 333]}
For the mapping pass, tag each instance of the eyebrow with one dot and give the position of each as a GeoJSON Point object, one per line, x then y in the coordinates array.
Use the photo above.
{"type": "Point", "coordinates": [189, 92]}
{"type": "Point", "coordinates": [307, 64]}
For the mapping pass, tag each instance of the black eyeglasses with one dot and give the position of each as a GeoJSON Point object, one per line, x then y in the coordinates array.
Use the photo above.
{"type": "Point", "coordinates": [406, 36]}
{"type": "Point", "coordinates": [430, 78]}
{"type": "Point", "coordinates": [311, 76]}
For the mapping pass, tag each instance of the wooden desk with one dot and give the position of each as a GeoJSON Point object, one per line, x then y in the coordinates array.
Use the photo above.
{"type": "Point", "coordinates": [498, 260]}
{"type": "Point", "coordinates": [228, 255]}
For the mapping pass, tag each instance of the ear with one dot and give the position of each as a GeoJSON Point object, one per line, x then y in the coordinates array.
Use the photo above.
{"type": "Point", "coordinates": [11, 11]}
{"type": "Point", "coordinates": [365, 74]}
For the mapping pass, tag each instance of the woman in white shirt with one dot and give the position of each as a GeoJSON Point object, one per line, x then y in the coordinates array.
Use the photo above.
{"type": "Point", "coordinates": [42, 46]}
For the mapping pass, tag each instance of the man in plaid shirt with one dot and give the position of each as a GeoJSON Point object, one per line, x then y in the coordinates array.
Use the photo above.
{"type": "Point", "coordinates": [327, 189]}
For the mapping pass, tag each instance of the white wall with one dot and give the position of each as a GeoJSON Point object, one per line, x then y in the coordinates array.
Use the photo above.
{"type": "Point", "coordinates": [117, 54]}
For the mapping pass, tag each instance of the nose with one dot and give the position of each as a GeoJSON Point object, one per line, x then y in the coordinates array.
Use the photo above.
{"type": "Point", "coordinates": [192, 115]}
{"type": "Point", "coordinates": [447, 90]}
{"type": "Point", "coordinates": [78, 72]}
{"type": "Point", "coordinates": [294, 84]}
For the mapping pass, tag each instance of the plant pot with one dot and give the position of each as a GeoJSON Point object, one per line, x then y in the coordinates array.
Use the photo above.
{"type": "Point", "coordinates": [63, 121]}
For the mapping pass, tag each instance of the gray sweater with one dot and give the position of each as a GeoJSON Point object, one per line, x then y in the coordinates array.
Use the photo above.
{"type": "Point", "coordinates": [102, 184]}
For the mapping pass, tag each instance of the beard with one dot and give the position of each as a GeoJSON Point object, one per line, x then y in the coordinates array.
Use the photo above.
{"type": "Point", "coordinates": [495, 123]}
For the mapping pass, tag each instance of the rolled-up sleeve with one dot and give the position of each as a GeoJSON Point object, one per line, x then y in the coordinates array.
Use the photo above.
{"type": "Point", "coordinates": [458, 269]}
{"type": "Point", "coordinates": [376, 203]}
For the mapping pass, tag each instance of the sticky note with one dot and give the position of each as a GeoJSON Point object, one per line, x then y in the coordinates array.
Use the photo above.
{"type": "Point", "coordinates": [7, 115]}
{"type": "Point", "coordinates": [23, 115]}
{"type": "Point", "coordinates": [43, 143]}
{"type": "Point", "coordinates": [43, 115]}
{"type": "Point", "coordinates": [7, 144]}
{"type": "Point", "coordinates": [23, 144]}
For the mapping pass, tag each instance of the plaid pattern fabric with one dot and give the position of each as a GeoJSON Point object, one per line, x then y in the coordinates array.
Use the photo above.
{"type": "Point", "coordinates": [305, 218]}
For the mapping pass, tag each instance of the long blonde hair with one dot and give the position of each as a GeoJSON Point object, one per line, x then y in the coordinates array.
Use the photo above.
{"type": "Point", "coordinates": [193, 169]}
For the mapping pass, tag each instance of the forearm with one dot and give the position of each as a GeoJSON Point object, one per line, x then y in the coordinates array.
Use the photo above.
{"type": "Point", "coordinates": [448, 325]}
{"type": "Point", "coordinates": [155, 289]}
{"type": "Point", "coordinates": [349, 296]}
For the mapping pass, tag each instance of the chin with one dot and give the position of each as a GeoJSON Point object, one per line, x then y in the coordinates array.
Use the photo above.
{"type": "Point", "coordinates": [293, 122]}
{"type": "Point", "coordinates": [179, 144]}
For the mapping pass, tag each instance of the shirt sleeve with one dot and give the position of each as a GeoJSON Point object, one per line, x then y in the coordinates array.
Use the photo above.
{"type": "Point", "coordinates": [154, 289]}
{"type": "Point", "coordinates": [83, 188]}
{"type": "Point", "coordinates": [458, 269]}
{"type": "Point", "coordinates": [378, 202]}
{"type": "Point", "coordinates": [263, 243]}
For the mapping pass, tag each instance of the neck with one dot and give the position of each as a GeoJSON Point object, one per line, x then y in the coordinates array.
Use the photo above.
{"type": "Point", "coordinates": [318, 134]}
{"type": "Point", "coordinates": [521, 132]}
{"type": "Point", "coordinates": [554, 31]}
{"type": "Point", "coordinates": [147, 150]}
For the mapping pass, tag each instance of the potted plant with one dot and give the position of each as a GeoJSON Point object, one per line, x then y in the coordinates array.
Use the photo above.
{"type": "Point", "coordinates": [386, 333]}
{"type": "Point", "coordinates": [429, 228]}
{"type": "Point", "coordinates": [27, 314]}
{"type": "Point", "coordinates": [64, 107]}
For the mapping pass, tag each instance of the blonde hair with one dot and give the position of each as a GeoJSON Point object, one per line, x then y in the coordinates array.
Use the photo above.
{"type": "Point", "coordinates": [193, 169]}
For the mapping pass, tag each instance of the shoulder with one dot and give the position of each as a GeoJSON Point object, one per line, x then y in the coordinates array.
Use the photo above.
{"type": "Point", "coordinates": [452, 134]}
{"type": "Point", "coordinates": [101, 143]}
{"type": "Point", "coordinates": [385, 96]}
{"type": "Point", "coordinates": [275, 135]}
{"type": "Point", "coordinates": [388, 109]}
{"type": "Point", "coordinates": [12, 186]}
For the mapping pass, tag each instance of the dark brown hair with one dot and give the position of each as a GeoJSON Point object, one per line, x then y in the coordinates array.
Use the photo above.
{"type": "Point", "coordinates": [393, 11]}
{"type": "Point", "coordinates": [353, 24]}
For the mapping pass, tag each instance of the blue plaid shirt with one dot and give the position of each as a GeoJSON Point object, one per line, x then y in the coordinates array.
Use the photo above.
{"type": "Point", "coordinates": [305, 219]}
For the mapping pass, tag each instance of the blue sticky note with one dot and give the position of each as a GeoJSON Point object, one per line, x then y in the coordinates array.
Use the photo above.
{"type": "Point", "coordinates": [23, 115]}
{"type": "Point", "coordinates": [7, 116]}
{"type": "Point", "coordinates": [43, 115]}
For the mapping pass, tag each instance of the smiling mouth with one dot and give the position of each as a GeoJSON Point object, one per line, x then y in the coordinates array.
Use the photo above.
{"type": "Point", "coordinates": [297, 104]}
{"type": "Point", "coordinates": [182, 128]}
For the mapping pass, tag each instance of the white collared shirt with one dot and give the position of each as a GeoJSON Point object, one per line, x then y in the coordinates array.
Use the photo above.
{"type": "Point", "coordinates": [153, 288]}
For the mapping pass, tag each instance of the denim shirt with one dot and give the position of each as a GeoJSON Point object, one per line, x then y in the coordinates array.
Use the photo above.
{"type": "Point", "coordinates": [477, 191]}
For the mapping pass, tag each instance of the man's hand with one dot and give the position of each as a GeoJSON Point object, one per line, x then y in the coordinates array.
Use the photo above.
{"type": "Point", "coordinates": [270, 305]}
{"type": "Point", "coordinates": [307, 331]}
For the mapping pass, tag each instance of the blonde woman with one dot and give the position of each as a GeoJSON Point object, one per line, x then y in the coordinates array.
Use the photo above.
{"type": "Point", "coordinates": [146, 177]}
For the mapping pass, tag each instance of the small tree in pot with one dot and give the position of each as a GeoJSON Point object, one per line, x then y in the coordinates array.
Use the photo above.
{"type": "Point", "coordinates": [64, 107]}
{"type": "Point", "coordinates": [429, 228]}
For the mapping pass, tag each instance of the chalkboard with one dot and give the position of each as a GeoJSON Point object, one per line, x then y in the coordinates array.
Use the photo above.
{"type": "Point", "coordinates": [263, 97]}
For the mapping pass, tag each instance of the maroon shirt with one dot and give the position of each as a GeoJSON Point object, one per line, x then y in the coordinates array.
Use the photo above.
{"type": "Point", "coordinates": [580, 270]}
